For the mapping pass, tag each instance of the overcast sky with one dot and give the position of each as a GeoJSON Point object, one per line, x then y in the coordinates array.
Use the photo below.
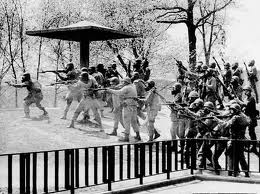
{"type": "Point", "coordinates": [243, 32]}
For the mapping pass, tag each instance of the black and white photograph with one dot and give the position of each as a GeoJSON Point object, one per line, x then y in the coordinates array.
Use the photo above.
{"type": "Point", "coordinates": [129, 96]}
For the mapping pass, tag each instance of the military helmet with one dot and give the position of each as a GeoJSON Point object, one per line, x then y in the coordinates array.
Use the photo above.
{"type": "Point", "coordinates": [26, 77]}
{"type": "Point", "coordinates": [84, 75]}
{"type": "Point", "coordinates": [212, 65]}
{"type": "Point", "coordinates": [199, 101]}
{"type": "Point", "coordinates": [193, 94]}
{"type": "Point", "coordinates": [204, 67]}
{"type": "Point", "coordinates": [235, 78]}
{"type": "Point", "coordinates": [114, 80]}
{"type": "Point", "coordinates": [248, 88]}
{"type": "Point", "coordinates": [235, 107]}
{"type": "Point", "coordinates": [251, 63]}
{"type": "Point", "coordinates": [70, 66]}
{"type": "Point", "coordinates": [209, 105]}
{"type": "Point", "coordinates": [227, 64]}
{"type": "Point", "coordinates": [235, 65]}
{"type": "Point", "coordinates": [177, 86]}
{"type": "Point", "coordinates": [151, 83]}
{"type": "Point", "coordinates": [84, 69]}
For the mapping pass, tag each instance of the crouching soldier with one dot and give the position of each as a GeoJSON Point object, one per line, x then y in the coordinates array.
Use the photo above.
{"type": "Point", "coordinates": [128, 94]}
{"type": "Point", "coordinates": [34, 94]}
{"type": "Point", "coordinates": [86, 85]}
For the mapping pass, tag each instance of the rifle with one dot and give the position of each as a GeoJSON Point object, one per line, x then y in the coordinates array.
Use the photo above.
{"type": "Point", "coordinates": [247, 72]}
{"type": "Point", "coordinates": [217, 65]}
{"type": "Point", "coordinates": [225, 88]}
{"type": "Point", "coordinates": [180, 65]}
{"type": "Point", "coordinates": [53, 71]}
{"type": "Point", "coordinates": [212, 117]}
{"type": "Point", "coordinates": [63, 82]}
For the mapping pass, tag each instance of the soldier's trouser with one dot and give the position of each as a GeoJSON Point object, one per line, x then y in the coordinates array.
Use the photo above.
{"type": "Point", "coordinates": [191, 133]}
{"type": "Point", "coordinates": [253, 85]}
{"type": "Point", "coordinates": [151, 114]}
{"type": "Point", "coordinates": [88, 103]}
{"type": "Point", "coordinates": [34, 99]}
{"type": "Point", "coordinates": [219, 149]}
{"type": "Point", "coordinates": [234, 158]}
{"type": "Point", "coordinates": [69, 99]}
{"type": "Point", "coordinates": [205, 151]}
{"type": "Point", "coordinates": [178, 127]}
{"type": "Point", "coordinates": [252, 133]}
{"type": "Point", "coordinates": [130, 119]}
{"type": "Point", "coordinates": [118, 117]}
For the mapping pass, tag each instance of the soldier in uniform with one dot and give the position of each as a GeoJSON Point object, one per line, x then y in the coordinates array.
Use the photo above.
{"type": "Point", "coordinates": [86, 85]}
{"type": "Point", "coordinates": [34, 94]}
{"type": "Point", "coordinates": [140, 89]}
{"type": "Point", "coordinates": [236, 71]}
{"type": "Point", "coordinates": [191, 132]}
{"type": "Point", "coordinates": [253, 77]}
{"type": "Point", "coordinates": [236, 88]}
{"type": "Point", "coordinates": [71, 77]}
{"type": "Point", "coordinates": [117, 105]}
{"type": "Point", "coordinates": [152, 102]}
{"type": "Point", "coordinates": [178, 125]}
{"type": "Point", "coordinates": [237, 125]}
{"type": "Point", "coordinates": [205, 128]}
{"type": "Point", "coordinates": [211, 87]}
{"type": "Point", "coordinates": [227, 75]}
{"type": "Point", "coordinates": [128, 95]}
{"type": "Point", "coordinates": [251, 112]}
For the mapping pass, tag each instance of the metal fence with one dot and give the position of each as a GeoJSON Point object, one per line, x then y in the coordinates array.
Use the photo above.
{"type": "Point", "coordinates": [69, 169]}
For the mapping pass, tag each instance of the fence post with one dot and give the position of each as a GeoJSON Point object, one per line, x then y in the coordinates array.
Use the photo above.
{"type": "Point", "coordinates": [111, 166]}
{"type": "Point", "coordinates": [10, 173]}
{"type": "Point", "coordinates": [142, 163]}
{"type": "Point", "coordinates": [28, 174]}
{"type": "Point", "coordinates": [67, 166]}
{"type": "Point", "coordinates": [193, 155]}
{"type": "Point", "coordinates": [72, 189]}
{"type": "Point", "coordinates": [22, 173]}
{"type": "Point", "coordinates": [169, 158]}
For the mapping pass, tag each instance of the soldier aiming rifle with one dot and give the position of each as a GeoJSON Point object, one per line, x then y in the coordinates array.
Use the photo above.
{"type": "Point", "coordinates": [34, 94]}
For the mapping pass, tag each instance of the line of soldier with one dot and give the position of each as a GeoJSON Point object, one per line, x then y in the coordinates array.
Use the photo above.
{"type": "Point", "coordinates": [202, 120]}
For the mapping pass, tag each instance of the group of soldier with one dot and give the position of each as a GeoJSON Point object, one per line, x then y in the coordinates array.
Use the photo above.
{"type": "Point", "coordinates": [197, 108]}
{"type": "Point", "coordinates": [198, 112]}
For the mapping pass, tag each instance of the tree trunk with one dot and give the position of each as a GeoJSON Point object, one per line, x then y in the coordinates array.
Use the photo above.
{"type": "Point", "coordinates": [192, 46]}
{"type": "Point", "coordinates": [207, 57]}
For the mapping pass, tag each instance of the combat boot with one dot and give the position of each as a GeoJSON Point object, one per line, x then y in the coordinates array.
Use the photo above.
{"type": "Point", "coordinates": [72, 124]}
{"type": "Point", "coordinates": [137, 137]}
{"type": "Point", "coordinates": [125, 138]}
{"type": "Point", "coordinates": [114, 133]}
{"type": "Point", "coordinates": [156, 135]}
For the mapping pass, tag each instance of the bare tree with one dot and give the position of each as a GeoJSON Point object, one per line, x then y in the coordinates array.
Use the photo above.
{"type": "Point", "coordinates": [187, 13]}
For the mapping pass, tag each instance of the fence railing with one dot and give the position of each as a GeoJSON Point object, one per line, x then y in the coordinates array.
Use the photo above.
{"type": "Point", "coordinates": [69, 169]}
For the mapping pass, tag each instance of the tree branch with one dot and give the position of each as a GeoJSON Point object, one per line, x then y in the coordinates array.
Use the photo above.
{"type": "Point", "coordinates": [212, 12]}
